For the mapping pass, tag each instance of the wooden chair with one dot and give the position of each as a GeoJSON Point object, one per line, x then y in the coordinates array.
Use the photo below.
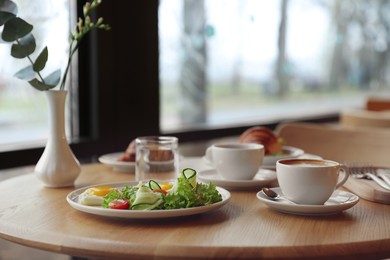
{"type": "Point", "coordinates": [371, 146]}
{"type": "Point", "coordinates": [359, 118]}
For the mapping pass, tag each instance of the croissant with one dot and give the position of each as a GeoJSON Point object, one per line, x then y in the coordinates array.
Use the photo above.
{"type": "Point", "coordinates": [155, 155]}
{"type": "Point", "coordinates": [262, 135]}
{"type": "Point", "coordinates": [129, 154]}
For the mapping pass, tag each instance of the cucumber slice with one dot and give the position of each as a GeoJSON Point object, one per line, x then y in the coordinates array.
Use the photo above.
{"type": "Point", "coordinates": [190, 175]}
{"type": "Point", "coordinates": [146, 206]}
{"type": "Point", "coordinates": [153, 185]}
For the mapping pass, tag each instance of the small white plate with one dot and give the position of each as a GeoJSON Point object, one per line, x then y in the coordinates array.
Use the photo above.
{"type": "Point", "coordinates": [338, 202]}
{"type": "Point", "coordinates": [72, 199]}
{"type": "Point", "coordinates": [118, 166]}
{"type": "Point", "coordinates": [263, 177]}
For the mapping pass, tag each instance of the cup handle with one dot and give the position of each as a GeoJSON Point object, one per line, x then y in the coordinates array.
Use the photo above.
{"type": "Point", "coordinates": [209, 155]}
{"type": "Point", "coordinates": [345, 169]}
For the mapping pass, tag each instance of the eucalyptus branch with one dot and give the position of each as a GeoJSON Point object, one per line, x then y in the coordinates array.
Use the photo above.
{"type": "Point", "coordinates": [70, 55]}
{"type": "Point", "coordinates": [83, 27]}
{"type": "Point", "coordinates": [38, 73]}
{"type": "Point", "coordinates": [19, 31]}
{"type": "Point", "coordinates": [32, 64]}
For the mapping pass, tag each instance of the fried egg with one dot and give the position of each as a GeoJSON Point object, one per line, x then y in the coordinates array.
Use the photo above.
{"type": "Point", "coordinates": [94, 196]}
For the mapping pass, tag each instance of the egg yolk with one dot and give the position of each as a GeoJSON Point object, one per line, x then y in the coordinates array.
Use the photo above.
{"type": "Point", "coordinates": [166, 186]}
{"type": "Point", "coordinates": [99, 190]}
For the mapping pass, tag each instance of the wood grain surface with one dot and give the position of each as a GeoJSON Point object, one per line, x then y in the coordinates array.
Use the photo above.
{"type": "Point", "coordinates": [245, 228]}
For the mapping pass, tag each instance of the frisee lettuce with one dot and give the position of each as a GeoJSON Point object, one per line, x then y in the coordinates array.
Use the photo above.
{"type": "Point", "coordinates": [182, 195]}
{"type": "Point", "coordinates": [185, 196]}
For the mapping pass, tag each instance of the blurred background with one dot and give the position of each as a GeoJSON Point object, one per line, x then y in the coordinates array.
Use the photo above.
{"type": "Point", "coordinates": [225, 63]}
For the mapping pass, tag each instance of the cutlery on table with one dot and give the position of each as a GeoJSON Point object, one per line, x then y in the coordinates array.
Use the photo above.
{"type": "Point", "coordinates": [384, 174]}
{"type": "Point", "coordinates": [272, 195]}
{"type": "Point", "coordinates": [380, 176]}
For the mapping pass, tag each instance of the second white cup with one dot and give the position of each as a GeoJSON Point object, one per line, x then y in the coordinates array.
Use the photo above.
{"type": "Point", "coordinates": [236, 161]}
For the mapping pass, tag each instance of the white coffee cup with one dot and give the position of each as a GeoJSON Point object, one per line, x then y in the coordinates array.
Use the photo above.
{"type": "Point", "coordinates": [235, 161]}
{"type": "Point", "coordinates": [309, 181]}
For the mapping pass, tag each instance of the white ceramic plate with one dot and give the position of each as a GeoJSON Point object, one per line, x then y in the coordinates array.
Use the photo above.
{"type": "Point", "coordinates": [262, 178]}
{"type": "Point", "coordinates": [288, 152]}
{"type": "Point", "coordinates": [118, 166]}
{"type": "Point", "coordinates": [72, 199]}
{"type": "Point", "coordinates": [338, 202]}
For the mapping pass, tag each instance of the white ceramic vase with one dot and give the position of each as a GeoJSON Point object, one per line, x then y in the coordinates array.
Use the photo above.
{"type": "Point", "coordinates": [57, 167]}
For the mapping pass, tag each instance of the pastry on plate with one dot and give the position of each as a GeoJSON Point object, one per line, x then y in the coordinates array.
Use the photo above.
{"type": "Point", "coordinates": [129, 154]}
{"type": "Point", "coordinates": [154, 155]}
{"type": "Point", "coordinates": [262, 135]}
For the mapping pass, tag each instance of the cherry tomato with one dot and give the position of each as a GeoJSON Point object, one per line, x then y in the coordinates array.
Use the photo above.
{"type": "Point", "coordinates": [119, 204]}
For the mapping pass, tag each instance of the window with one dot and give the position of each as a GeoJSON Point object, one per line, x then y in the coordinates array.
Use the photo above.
{"type": "Point", "coordinates": [117, 94]}
{"type": "Point", "coordinates": [122, 83]}
{"type": "Point", "coordinates": [23, 110]}
{"type": "Point", "coordinates": [234, 62]}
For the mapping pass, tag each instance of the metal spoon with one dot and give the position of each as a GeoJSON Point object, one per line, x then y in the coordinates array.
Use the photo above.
{"type": "Point", "coordinates": [273, 195]}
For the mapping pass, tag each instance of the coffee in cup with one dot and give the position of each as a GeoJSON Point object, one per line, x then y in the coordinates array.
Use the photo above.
{"type": "Point", "coordinates": [310, 181]}
{"type": "Point", "coordinates": [236, 161]}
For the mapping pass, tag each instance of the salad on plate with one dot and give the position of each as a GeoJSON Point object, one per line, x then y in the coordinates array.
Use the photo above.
{"type": "Point", "coordinates": [184, 192]}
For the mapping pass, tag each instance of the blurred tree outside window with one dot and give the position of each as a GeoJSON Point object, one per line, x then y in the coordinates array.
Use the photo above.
{"type": "Point", "coordinates": [235, 62]}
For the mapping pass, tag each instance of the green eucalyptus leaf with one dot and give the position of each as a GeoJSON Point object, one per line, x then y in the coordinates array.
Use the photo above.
{"type": "Point", "coordinates": [26, 73]}
{"type": "Point", "coordinates": [5, 16]}
{"type": "Point", "coordinates": [54, 78]}
{"type": "Point", "coordinates": [15, 28]}
{"type": "Point", "coordinates": [8, 9]}
{"type": "Point", "coordinates": [40, 62]}
{"type": "Point", "coordinates": [8, 6]}
{"type": "Point", "coordinates": [25, 47]}
{"type": "Point", "coordinates": [40, 85]}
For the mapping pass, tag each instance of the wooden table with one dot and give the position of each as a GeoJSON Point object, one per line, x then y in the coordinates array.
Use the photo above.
{"type": "Point", "coordinates": [245, 228]}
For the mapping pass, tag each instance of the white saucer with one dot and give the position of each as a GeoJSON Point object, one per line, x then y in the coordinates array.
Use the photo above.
{"type": "Point", "coordinates": [263, 178]}
{"type": "Point", "coordinates": [339, 201]}
{"type": "Point", "coordinates": [118, 166]}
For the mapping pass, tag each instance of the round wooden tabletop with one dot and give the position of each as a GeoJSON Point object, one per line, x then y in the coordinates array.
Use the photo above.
{"type": "Point", "coordinates": [244, 228]}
